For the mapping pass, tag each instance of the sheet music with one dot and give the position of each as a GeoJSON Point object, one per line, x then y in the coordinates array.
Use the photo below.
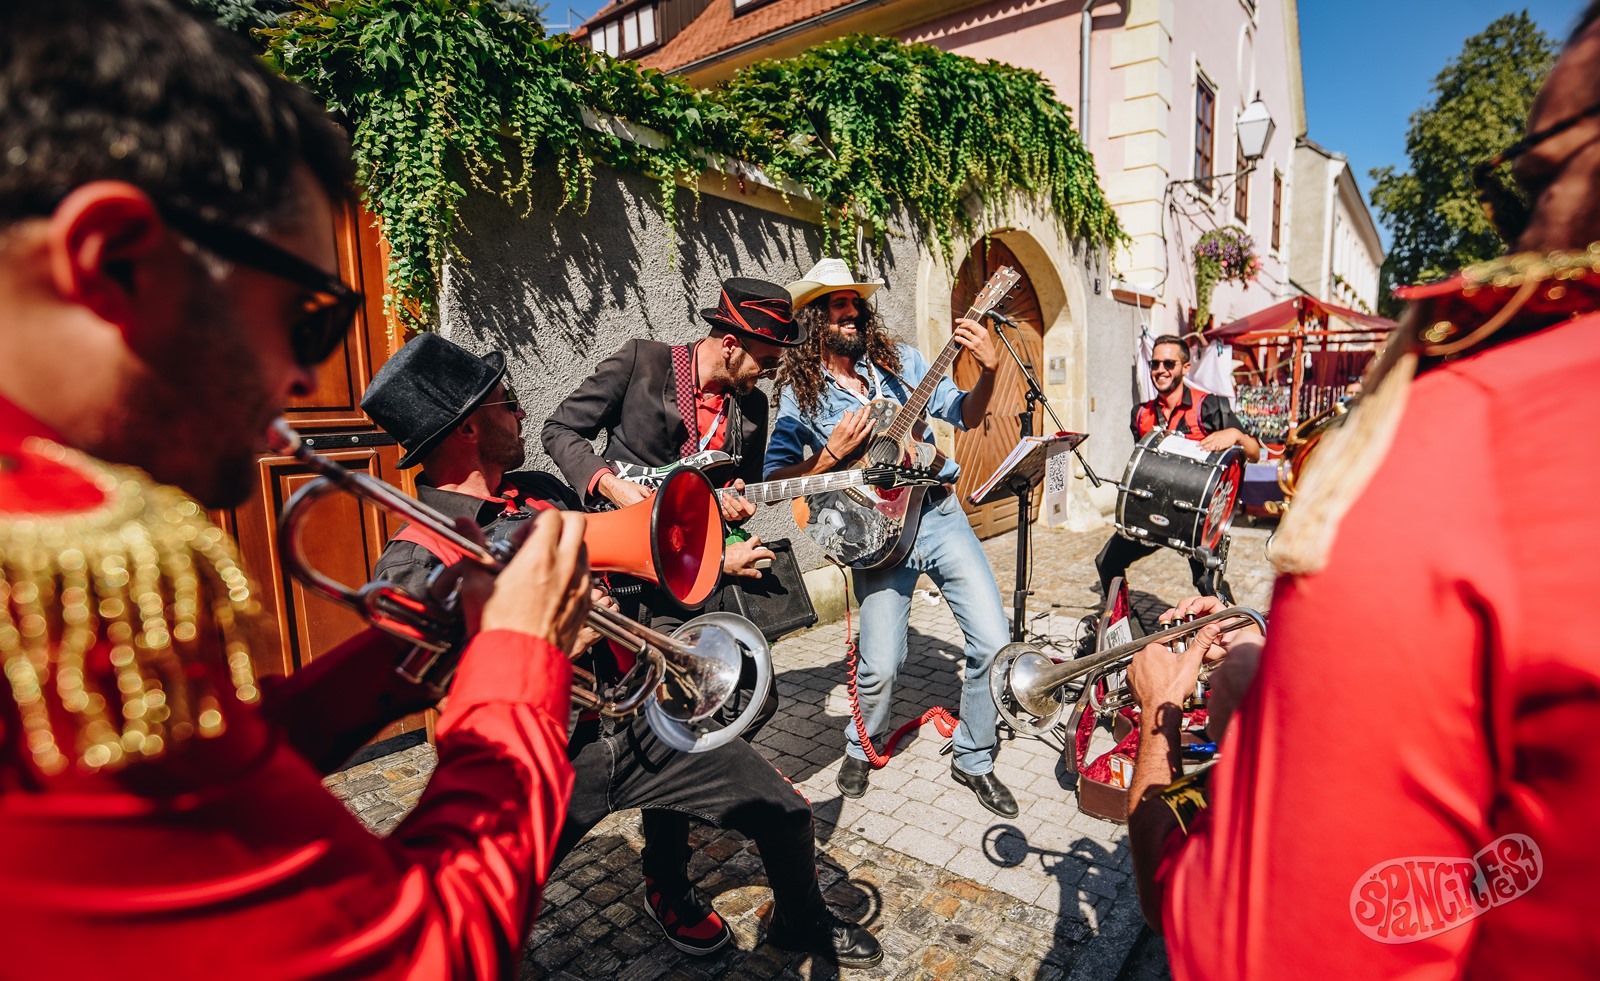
{"type": "Point", "coordinates": [1183, 446]}
{"type": "Point", "coordinates": [1017, 461]}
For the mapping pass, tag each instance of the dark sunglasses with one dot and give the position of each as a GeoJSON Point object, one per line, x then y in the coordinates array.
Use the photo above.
{"type": "Point", "coordinates": [1504, 202]}
{"type": "Point", "coordinates": [1167, 363]}
{"type": "Point", "coordinates": [329, 304]}
{"type": "Point", "coordinates": [510, 399]}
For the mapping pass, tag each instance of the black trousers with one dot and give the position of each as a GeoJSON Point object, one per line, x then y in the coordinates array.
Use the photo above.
{"type": "Point", "coordinates": [1119, 553]}
{"type": "Point", "coordinates": [623, 765]}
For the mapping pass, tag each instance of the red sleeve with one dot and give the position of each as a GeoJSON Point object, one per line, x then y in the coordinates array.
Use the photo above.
{"type": "Point", "coordinates": [341, 700]}
{"type": "Point", "coordinates": [484, 832]}
{"type": "Point", "coordinates": [1362, 745]}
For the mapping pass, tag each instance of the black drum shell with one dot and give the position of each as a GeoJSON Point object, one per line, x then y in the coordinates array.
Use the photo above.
{"type": "Point", "coordinates": [1182, 494]}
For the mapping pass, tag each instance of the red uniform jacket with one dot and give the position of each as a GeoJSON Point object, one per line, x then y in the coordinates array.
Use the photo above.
{"type": "Point", "coordinates": [1410, 789]}
{"type": "Point", "coordinates": [226, 858]}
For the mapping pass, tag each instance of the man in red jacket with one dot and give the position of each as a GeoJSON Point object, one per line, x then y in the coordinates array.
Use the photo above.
{"type": "Point", "coordinates": [167, 283]}
{"type": "Point", "coordinates": [1440, 823]}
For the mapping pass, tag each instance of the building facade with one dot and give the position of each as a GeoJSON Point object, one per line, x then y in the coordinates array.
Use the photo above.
{"type": "Point", "coordinates": [1337, 251]}
{"type": "Point", "coordinates": [1158, 88]}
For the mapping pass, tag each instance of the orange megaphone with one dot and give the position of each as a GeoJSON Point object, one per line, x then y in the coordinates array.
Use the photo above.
{"type": "Point", "coordinates": [673, 539]}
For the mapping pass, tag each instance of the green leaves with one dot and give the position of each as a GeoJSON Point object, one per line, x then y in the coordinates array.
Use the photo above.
{"type": "Point", "coordinates": [446, 95]}
{"type": "Point", "coordinates": [1480, 106]}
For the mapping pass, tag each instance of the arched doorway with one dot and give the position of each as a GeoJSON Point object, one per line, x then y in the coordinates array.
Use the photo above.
{"type": "Point", "coordinates": [980, 450]}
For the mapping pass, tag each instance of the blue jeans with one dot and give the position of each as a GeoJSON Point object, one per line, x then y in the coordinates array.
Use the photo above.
{"type": "Point", "coordinates": [948, 551]}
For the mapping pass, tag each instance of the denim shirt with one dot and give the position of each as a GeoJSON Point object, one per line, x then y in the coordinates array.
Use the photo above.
{"type": "Point", "coordinates": [793, 432]}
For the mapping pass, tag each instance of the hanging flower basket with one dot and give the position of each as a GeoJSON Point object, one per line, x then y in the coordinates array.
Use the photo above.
{"type": "Point", "coordinates": [1221, 255]}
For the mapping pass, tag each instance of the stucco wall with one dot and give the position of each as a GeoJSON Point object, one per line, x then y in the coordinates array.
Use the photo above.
{"type": "Point", "coordinates": [559, 291]}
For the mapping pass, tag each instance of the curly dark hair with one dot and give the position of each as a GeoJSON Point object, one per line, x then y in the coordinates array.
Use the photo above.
{"type": "Point", "coordinates": [802, 366]}
{"type": "Point", "coordinates": [148, 92]}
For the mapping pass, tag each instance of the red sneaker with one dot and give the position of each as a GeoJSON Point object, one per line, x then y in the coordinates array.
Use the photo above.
{"type": "Point", "coordinates": [688, 920]}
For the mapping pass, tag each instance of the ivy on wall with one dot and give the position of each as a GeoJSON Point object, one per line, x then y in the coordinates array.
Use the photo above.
{"type": "Point", "coordinates": [869, 123]}
{"type": "Point", "coordinates": [445, 95]}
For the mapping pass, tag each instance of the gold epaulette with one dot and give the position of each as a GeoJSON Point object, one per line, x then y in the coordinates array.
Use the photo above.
{"type": "Point", "coordinates": [111, 617]}
{"type": "Point", "coordinates": [1186, 797]}
{"type": "Point", "coordinates": [1462, 312]}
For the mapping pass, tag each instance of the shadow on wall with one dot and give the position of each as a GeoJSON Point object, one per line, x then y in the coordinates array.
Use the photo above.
{"type": "Point", "coordinates": [552, 284]}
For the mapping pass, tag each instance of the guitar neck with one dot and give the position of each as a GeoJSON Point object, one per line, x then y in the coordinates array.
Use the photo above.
{"type": "Point", "coordinates": [782, 490]}
{"type": "Point", "coordinates": [914, 406]}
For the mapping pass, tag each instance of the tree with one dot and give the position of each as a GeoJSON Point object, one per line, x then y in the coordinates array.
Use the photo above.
{"type": "Point", "coordinates": [244, 16]}
{"type": "Point", "coordinates": [1480, 106]}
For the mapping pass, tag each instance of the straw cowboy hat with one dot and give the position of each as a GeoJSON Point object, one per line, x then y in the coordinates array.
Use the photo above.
{"type": "Point", "coordinates": [825, 277]}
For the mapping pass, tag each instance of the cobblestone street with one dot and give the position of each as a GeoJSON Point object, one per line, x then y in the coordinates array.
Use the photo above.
{"type": "Point", "coordinates": [950, 890]}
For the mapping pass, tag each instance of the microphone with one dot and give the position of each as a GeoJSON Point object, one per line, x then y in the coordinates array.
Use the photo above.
{"type": "Point", "coordinates": [1002, 318]}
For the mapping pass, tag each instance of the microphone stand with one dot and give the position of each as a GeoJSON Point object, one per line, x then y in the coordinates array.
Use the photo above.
{"type": "Point", "coordinates": [1021, 486]}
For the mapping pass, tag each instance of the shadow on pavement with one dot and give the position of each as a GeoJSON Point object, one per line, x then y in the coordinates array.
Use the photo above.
{"type": "Point", "coordinates": [1007, 846]}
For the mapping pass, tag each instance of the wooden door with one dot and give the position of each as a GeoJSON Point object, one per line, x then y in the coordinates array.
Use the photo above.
{"type": "Point", "coordinates": [980, 450]}
{"type": "Point", "coordinates": [343, 540]}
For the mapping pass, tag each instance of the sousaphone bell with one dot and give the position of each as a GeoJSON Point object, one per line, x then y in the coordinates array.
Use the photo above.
{"type": "Point", "coordinates": [673, 539]}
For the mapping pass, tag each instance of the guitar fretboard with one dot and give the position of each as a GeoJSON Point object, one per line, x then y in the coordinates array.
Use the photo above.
{"type": "Point", "coordinates": [782, 490]}
{"type": "Point", "coordinates": [912, 411]}
{"type": "Point", "coordinates": [987, 299]}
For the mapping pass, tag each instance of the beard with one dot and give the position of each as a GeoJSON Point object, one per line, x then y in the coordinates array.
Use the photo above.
{"type": "Point", "coordinates": [504, 448]}
{"type": "Point", "coordinates": [846, 345]}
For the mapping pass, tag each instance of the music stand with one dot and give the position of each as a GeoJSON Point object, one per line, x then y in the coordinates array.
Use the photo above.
{"type": "Point", "coordinates": [1034, 396]}
{"type": "Point", "coordinates": [1017, 474]}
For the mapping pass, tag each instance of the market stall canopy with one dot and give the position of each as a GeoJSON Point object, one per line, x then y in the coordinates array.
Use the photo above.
{"type": "Point", "coordinates": [1281, 317]}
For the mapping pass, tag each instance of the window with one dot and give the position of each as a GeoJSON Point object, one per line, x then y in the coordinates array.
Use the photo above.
{"type": "Point", "coordinates": [633, 31]}
{"type": "Point", "coordinates": [1205, 127]}
{"type": "Point", "coordinates": [1277, 210]}
{"type": "Point", "coordinates": [1241, 191]}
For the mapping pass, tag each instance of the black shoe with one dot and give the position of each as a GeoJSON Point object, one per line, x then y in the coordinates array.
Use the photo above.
{"type": "Point", "coordinates": [845, 944]}
{"type": "Point", "coordinates": [852, 778]}
{"type": "Point", "coordinates": [990, 791]}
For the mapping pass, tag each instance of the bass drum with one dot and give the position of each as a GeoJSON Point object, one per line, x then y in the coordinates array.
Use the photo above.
{"type": "Point", "coordinates": [1176, 495]}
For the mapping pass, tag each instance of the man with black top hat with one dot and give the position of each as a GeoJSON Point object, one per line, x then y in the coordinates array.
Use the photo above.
{"type": "Point", "coordinates": [658, 403]}
{"type": "Point", "coordinates": [455, 416]}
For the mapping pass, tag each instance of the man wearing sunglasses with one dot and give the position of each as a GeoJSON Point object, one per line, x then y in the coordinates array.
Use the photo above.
{"type": "Point", "coordinates": [1444, 826]}
{"type": "Point", "coordinates": [1209, 421]}
{"type": "Point", "coordinates": [166, 286]}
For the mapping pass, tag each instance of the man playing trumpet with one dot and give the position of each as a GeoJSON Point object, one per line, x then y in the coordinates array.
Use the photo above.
{"type": "Point", "coordinates": [454, 414]}
{"type": "Point", "coordinates": [1439, 822]}
{"type": "Point", "coordinates": [167, 284]}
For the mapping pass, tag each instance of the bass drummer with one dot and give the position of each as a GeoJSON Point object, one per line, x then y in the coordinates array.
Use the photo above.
{"type": "Point", "coordinates": [1210, 421]}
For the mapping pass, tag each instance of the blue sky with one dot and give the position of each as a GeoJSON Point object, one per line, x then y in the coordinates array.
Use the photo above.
{"type": "Point", "coordinates": [1367, 63]}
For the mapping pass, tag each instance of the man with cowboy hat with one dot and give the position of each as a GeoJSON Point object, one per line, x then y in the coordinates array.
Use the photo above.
{"type": "Point", "coordinates": [850, 360]}
{"type": "Point", "coordinates": [455, 416]}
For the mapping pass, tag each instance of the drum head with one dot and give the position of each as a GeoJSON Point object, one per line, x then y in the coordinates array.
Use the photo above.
{"type": "Point", "coordinates": [1219, 510]}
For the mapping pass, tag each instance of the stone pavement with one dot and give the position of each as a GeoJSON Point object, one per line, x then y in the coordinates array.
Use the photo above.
{"type": "Point", "coordinates": [949, 889]}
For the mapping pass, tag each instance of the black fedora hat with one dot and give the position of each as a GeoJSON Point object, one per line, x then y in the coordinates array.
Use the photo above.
{"type": "Point", "coordinates": [758, 309]}
{"type": "Point", "coordinates": [423, 393]}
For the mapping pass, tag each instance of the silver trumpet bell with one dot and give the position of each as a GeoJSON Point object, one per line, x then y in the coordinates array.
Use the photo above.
{"type": "Point", "coordinates": [1031, 690]}
{"type": "Point", "coordinates": [674, 539]}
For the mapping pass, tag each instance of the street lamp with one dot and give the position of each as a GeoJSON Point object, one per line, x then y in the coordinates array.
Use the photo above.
{"type": "Point", "coordinates": [1255, 127]}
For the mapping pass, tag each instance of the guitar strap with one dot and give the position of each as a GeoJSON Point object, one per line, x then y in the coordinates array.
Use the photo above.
{"type": "Point", "coordinates": [683, 372]}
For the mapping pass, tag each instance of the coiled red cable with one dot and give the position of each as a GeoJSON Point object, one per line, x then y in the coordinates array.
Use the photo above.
{"type": "Point", "coordinates": [938, 715]}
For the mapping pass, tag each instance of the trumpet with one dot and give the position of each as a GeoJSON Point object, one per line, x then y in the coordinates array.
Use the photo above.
{"type": "Point", "coordinates": [678, 680]}
{"type": "Point", "coordinates": [1032, 690]}
{"type": "Point", "coordinates": [1297, 450]}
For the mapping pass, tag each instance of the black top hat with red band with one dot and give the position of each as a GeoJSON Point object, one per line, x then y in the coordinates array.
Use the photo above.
{"type": "Point", "coordinates": [759, 309]}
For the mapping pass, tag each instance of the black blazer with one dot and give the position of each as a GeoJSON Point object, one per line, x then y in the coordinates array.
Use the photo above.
{"type": "Point", "coordinates": [633, 398]}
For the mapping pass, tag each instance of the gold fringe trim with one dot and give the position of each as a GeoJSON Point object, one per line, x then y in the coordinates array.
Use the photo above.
{"type": "Point", "coordinates": [145, 573]}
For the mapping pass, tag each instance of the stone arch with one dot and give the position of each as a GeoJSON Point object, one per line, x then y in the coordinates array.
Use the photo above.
{"type": "Point", "coordinates": [1062, 272]}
